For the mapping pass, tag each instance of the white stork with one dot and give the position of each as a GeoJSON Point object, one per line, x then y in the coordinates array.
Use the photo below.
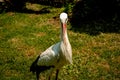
{"type": "Point", "coordinates": [57, 55]}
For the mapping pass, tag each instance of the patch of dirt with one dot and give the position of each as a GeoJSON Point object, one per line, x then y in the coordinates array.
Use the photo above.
{"type": "Point", "coordinates": [30, 51]}
{"type": "Point", "coordinates": [39, 34]}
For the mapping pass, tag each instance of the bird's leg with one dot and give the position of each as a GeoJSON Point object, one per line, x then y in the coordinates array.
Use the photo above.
{"type": "Point", "coordinates": [49, 78]}
{"type": "Point", "coordinates": [50, 73]}
{"type": "Point", "coordinates": [57, 71]}
{"type": "Point", "coordinates": [37, 75]}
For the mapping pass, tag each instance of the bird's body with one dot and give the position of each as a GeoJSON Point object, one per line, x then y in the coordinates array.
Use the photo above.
{"type": "Point", "coordinates": [57, 55]}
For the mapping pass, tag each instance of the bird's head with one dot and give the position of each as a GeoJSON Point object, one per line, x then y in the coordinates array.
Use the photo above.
{"type": "Point", "coordinates": [63, 18]}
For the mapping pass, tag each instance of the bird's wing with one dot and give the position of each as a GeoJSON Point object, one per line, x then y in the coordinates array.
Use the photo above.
{"type": "Point", "coordinates": [50, 56]}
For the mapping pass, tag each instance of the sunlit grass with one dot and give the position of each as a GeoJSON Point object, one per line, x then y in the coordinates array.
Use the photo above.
{"type": "Point", "coordinates": [23, 36]}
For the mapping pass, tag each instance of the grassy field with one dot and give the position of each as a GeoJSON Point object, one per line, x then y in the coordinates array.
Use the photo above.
{"type": "Point", "coordinates": [25, 35]}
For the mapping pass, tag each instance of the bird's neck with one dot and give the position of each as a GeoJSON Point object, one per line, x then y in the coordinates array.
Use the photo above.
{"type": "Point", "coordinates": [64, 36]}
{"type": "Point", "coordinates": [65, 46]}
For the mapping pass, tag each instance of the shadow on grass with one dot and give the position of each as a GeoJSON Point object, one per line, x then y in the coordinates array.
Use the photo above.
{"type": "Point", "coordinates": [42, 11]}
{"type": "Point", "coordinates": [20, 5]}
{"type": "Point", "coordinates": [93, 17]}
{"type": "Point", "coordinates": [23, 9]}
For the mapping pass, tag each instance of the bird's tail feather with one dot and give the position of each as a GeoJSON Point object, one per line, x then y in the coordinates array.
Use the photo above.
{"type": "Point", "coordinates": [38, 69]}
{"type": "Point", "coordinates": [34, 65]}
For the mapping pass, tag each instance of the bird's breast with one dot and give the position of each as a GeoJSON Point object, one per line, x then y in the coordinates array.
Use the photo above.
{"type": "Point", "coordinates": [66, 53]}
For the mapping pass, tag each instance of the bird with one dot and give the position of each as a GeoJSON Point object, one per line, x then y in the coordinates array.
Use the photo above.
{"type": "Point", "coordinates": [57, 55]}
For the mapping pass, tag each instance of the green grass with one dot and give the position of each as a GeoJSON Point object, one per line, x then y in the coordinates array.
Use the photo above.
{"type": "Point", "coordinates": [23, 36]}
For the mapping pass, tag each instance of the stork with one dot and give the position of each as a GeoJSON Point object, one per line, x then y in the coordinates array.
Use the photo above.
{"type": "Point", "coordinates": [57, 55]}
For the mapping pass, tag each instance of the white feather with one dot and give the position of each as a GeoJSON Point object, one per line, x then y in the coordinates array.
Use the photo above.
{"type": "Point", "coordinates": [50, 56]}
{"type": "Point", "coordinates": [56, 55]}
